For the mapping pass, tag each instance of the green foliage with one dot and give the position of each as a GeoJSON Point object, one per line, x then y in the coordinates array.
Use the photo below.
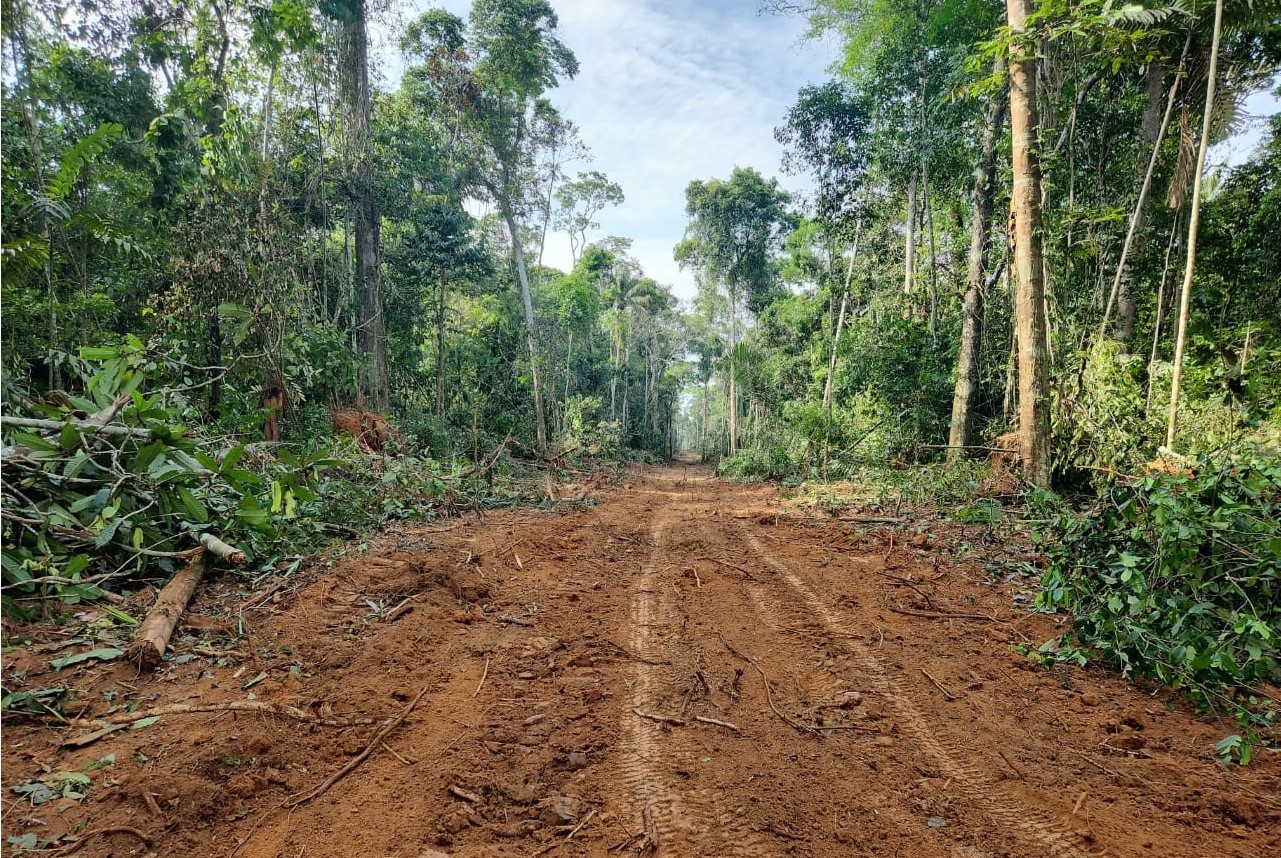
{"type": "Point", "coordinates": [1177, 578]}
{"type": "Point", "coordinates": [735, 227]}
{"type": "Point", "coordinates": [758, 463]}
{"type": "Point", "coordinates": [84, 506]}
{"type": "Point", "coordinates": [584, 428]}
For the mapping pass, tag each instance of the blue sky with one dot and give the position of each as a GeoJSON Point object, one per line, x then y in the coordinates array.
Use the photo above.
{"type": "Point", "coordinates": [670, 91]}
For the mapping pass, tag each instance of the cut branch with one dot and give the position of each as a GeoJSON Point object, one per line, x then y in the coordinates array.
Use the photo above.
{"type": "Point", "coordinates": [118, 722]}
{"type": "Point", "coordinates": [82, 425]}
{"type": "Point", "coordinates": [148, 647]}
{"type": "Point", "coordinates": [216, 546]}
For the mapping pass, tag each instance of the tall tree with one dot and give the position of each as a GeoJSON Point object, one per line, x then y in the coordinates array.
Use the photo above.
{"type": "Point", "coordinates": [735, 227]}
{"type": "Point", "coordinates": [496, 73]}
{"type": "Point", "coordinates": [579, 202]}
{"type": "Point", "coordinates": [358, 180]}
{"type": "Point", "coordinates": [1189, 266]}
{"type": "Point", "coordinates": [1029, 271]}
{"type": "Point", "coordinates": [974, 307]}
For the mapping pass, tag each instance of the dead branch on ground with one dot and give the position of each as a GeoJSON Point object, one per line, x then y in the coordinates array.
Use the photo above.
{"type": "Point", "coordinates": [218, 548]}
{"type": "Point", "coordinates": [949, 695]}
{"type": "Point", "coordinates": [662, 719]}
{"type": "Point", "coordinates": [941, 615]}
{"type": "Point", "coordinates": [106, 726]}
{"type": "Point", "coordinates": [389, 725]}
{"type": "Point", "coordinates": [769, 694]}
{"type": "Point", "coordinates": [85, 838]}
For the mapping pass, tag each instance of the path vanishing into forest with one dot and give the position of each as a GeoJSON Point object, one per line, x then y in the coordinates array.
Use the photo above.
{"type": "Point", "coordinates": [686, 668]}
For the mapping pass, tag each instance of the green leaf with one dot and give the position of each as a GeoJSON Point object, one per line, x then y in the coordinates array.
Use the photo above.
{"type": "Point", "coordinates": [144, 722]}
{"type": "Point", "coordinates": [101, 654]}
{"type": "Point", "coordinates": [75, 566]}
{"type": "Point", "coordinates": [195, 509]}
{"type": "Point", "coordinates": [233, 457]}
{"type": "Point", "coordinates": [69, 437]}
{"type": "Point", "coordinates": [98, 353]}
{"type": "Point", "coordinates": [251, 512]}
{"type": "Point", "coordinates": [108, 533]}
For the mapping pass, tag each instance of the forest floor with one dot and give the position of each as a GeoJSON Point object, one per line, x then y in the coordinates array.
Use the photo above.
{"type": "Point", "coordinates": [687, 667]}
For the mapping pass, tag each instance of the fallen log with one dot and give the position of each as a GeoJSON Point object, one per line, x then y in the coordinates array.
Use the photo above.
{"type": "Point", "coordinates": [148, 647]}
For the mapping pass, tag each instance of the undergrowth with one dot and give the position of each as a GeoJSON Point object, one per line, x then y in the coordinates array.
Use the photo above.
{"type": "Point", "coordinates": [88, 510]}
{"type": "Point", "coordinates": [1176, 577]}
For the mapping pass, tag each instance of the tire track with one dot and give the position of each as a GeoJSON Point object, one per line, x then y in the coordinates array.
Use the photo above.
{"type": "Point", "coordinates": [681, 815]}
{"type": "Point", "coordinates": [953, 760]}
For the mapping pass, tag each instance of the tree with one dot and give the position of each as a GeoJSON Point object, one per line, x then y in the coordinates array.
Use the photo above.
{"type": "Point", "coordinates": [357, 103]}
{"type": "Point", "coordinates": [825, 134]}
{"type": "Point", "coordinates": [580, 201]}
{"type": "Point", "coordinates": [1189, 268]}
{"type": "Point", "coordinates": [496, 74]}
{"type": "Point", "coordinates": [1025, 203]}
{"type": "Point", "coordinates": [973, 313]}
{"type": "Point", "coordinates": [735, 228]}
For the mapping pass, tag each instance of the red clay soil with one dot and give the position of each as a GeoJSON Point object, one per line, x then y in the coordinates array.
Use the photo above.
{"type": "Point", "coordinates": [684, 669]}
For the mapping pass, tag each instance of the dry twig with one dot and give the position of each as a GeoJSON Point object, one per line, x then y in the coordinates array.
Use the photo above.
{"type": "Point", "coordinates": [484, 673]}
{"type": "Point", "coordinates": [949, 695]}
{"type": "Point", "coordinates": [84, 839]}
{"type": "Point", "coordinates": [390, 724]}
{"type": "Point", "coordinates": [118, 722]}
{"type": "Point", "coordinates": [727, 725]}
{"type": "Point", "coordinates": [769, 694]}
{"type": "Point", "coordinates": [940, 615]}
{"type": "Point", "coordinates": [662, 719]}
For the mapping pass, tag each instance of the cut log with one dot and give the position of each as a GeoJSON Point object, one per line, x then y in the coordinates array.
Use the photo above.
{"type": "Point", "coordinates": [152, 638]}
{"type": "Point", "coordinates": [217, 547]}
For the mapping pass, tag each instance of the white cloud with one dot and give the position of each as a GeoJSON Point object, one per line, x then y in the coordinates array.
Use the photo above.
{"type": "Point", "coordinates": [670, 91]}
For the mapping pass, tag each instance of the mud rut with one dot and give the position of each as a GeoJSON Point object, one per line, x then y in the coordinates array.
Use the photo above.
{"type": "Point", "coordinates": [680, 596]}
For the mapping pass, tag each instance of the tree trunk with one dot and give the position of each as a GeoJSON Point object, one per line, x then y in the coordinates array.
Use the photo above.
{"type": "Point", "coordinates": [967, 361]}
{"type": "Point", "coordinates": [909, 253]}
{"type": "Point", "coordinates": [1160, 309]}
{"type": "Point", "coordinates": [1025, 199]}
{"type": "Point", "coordinates": [1154, 132]}
{"type": "Point", "coordinates": [927, 216]}
{"type": "Point", "coordinates": [371, 337]}
{"type": "Point", "coordinates": [569, 360]}
{"type": "Point", "coordinates": [152, 637]}
{"type": "Point", "coordinates": [732, 415]}
{"type": "Point", "coordinates": [1189, 267]}
{"type": "Point", "coordinates": [440, 348]}
{"type": "Point", "coordinates": [518, 250]}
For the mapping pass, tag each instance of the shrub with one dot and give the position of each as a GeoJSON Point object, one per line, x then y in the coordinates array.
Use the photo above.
{"type": "Point", "coordinates": [1177, 577]}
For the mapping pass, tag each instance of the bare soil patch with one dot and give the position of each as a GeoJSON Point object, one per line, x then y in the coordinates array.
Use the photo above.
{"type": "Point", "coordinates": [685, 668]}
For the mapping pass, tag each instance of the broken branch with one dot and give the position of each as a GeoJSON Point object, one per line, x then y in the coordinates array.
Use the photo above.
{"type": "Point", "coordinates": [115, 829]}
{"type": "Point", "coordinates": [389, 725]}
{"type": "Point", "coordinates": [662, 719]}
{"type": "Point", "coordinates": [118, 722]}
{"type": "Point", "coordinates": [940, 615]}
{"type": "Point", "coordinates": [727, 725]}
{"type": "Point", "coordinates": [218, 548]}
{"type": "Point", "coordinates": [769, 694]}
{"type": "Point", "coordinates": [949, 695]}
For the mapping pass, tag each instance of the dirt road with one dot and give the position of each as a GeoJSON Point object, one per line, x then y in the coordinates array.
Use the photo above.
{"type": "Point", "coordinates": [681, 670]}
